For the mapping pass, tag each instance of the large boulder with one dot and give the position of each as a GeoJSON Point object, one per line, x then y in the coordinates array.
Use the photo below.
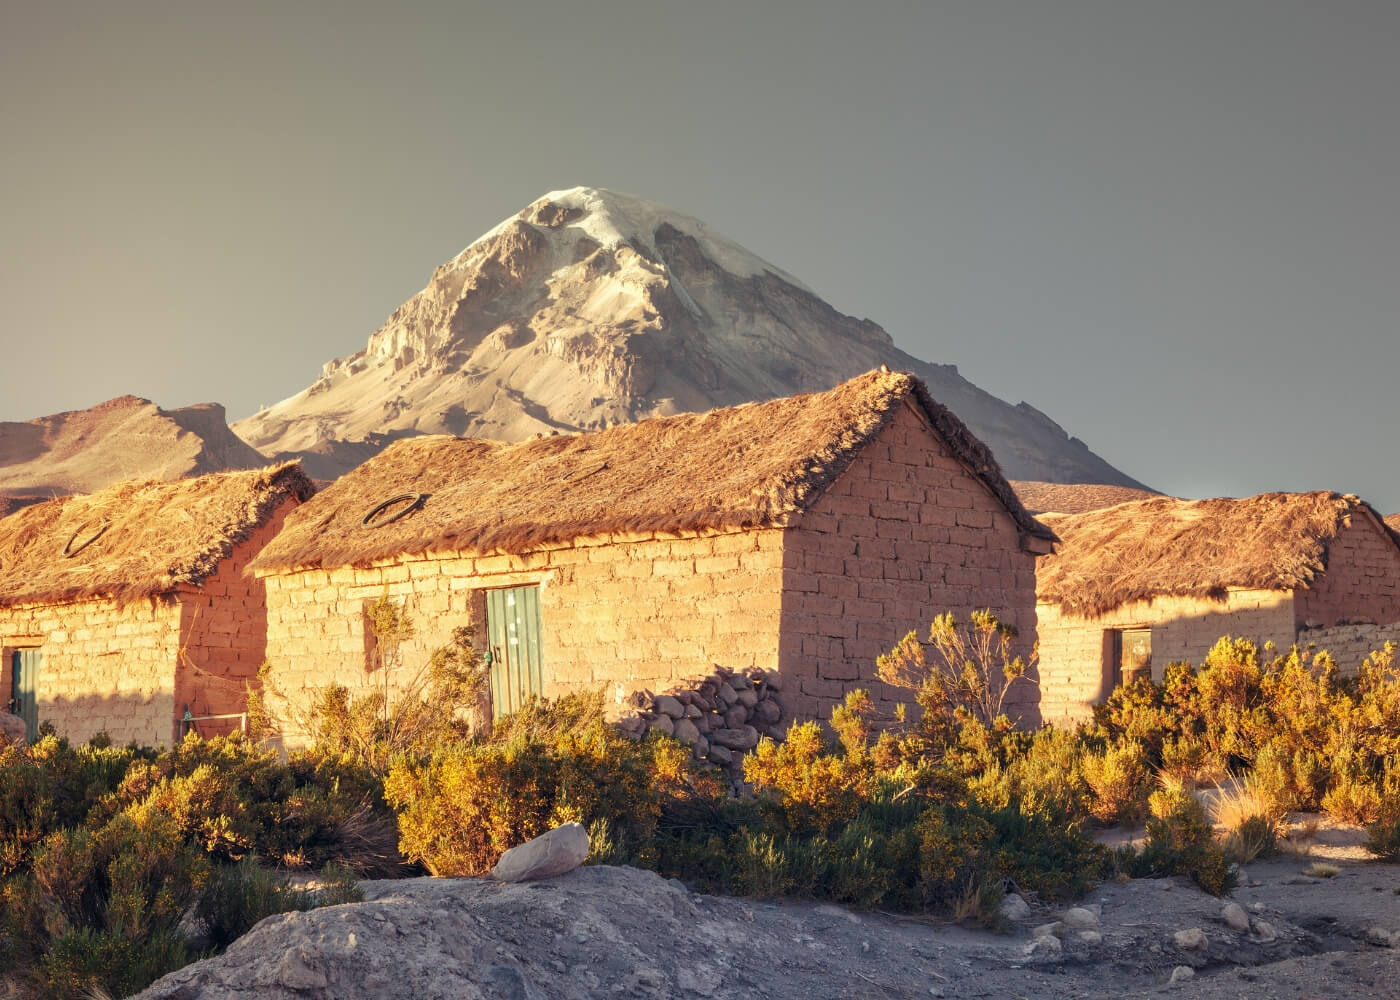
{"type": "Point", "coordinates": [560, 850]}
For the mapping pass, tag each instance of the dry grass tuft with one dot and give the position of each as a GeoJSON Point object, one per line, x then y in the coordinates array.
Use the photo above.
{"type": "Point", "coordinates": [1321, 869]}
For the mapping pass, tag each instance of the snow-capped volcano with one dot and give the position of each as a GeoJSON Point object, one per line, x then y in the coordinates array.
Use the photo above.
{"type": "Point", "coordinates": [591, 307]}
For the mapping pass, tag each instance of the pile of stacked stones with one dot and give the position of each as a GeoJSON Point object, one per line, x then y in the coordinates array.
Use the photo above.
{"type": "Point", "coordinates": [720, 716]}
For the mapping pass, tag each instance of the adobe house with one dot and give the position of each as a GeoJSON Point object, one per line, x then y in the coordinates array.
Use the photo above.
{"type": "Point", "coordinates": [1136, 586]}
{"type": "Point", "coordinates": [804, 535]}
{"type": "Point", "coordinates": [123, 610]}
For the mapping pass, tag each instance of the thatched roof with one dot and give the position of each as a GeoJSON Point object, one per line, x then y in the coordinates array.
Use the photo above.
{"type": "Point", "coordinates": [1193, 548]}
{"type": "Point", "coordinates": [8, 505]}
{"type": "Point", "coordinates": [1074, 498]}
{"type": "Point", "coordinates": [756, 465]}
{"type": "Point", "coordinates": [158, 535]}
{"type": "Point", "coordinates": [1392, 522]}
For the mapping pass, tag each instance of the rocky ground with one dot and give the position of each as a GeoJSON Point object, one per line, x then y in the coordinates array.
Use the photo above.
{"type": "Point", "coordinates": [619, 932]}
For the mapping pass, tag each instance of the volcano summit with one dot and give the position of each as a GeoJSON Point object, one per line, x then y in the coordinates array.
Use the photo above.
{"type": "Point", "coordinates": [591, 307]}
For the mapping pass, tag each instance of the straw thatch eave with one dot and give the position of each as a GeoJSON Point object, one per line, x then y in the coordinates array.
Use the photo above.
{"type": "Point", "coordinates": [146, 538]}
{"type": "Point", "coordinates": [759, 465]}
{"type": "Point", "coordinates": [1194, 548]}
{"type": "Point", "coordinates": [1075, 498]}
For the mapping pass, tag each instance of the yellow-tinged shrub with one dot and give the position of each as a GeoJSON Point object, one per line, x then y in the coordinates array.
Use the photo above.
{"type": "Point", "coordinates": [812, 788]}
{"type": "Point", "coordinates": [471, 801]}
{"type": "Point", "coordinates": [1120, 782]}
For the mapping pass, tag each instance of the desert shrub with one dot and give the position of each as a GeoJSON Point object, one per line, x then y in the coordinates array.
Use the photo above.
{"type": "Point", "coordinates": [1189, 758]}
{"type": "Point", "coordinates": [463, 807]}
{"type": "Point", "coordinates": [969, 676]}
{"type": "Point", "coordinates": [871, 861]}
{"type": "Point", "coordinates": [1383, 836]}
{"type": "Point", "coordinates": [1229, 701]}
{"type": "Point", "coordinates": [1254, 837]}
{"type": "Point", "coordinates": [1375, 720]}
{"type": "Point", "coordinates": [863, 822]}
{"type": "Point", "coordinates": [1120, 783]}
{"type": "Point", "coordinates": [1245, 796]}
{"type": "Point", "coordinates": [51, 785]}
{"type": "Point", "coordinates": [1180, 842]}
{"type": "Point", "coordinates": [85, 960]}
{"type": "Point", "coordinates": [239, 895]}
{"type": "Point", "coordinates": [1308, 779]}
{"type": "Point", "coordinates": [233, 797]}
{"type": "Point", "coordinates": [1303, 697]}
{"type": "Point", "coordinates": [1134, 714]}
{"type": "Point", "coordinates": [957, 854]}
{"type": "Point", "coordinates": [1273, 779]}
{"type": "Point", "coordinates": [1035, 773]}
{"type": "Point", "coordinates": [809, 787]}
{"type": "Point", "coordinates": [101, 908]}
{"type": "Point", "coordinates": [1354, 794]}
{"type": "Point", "coordinates": [1040, 853]}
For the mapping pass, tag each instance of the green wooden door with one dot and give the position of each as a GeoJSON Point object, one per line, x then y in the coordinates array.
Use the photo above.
{"type": "Point", "coordinates": [24, 689]}
{"type": "Point", "coordinates": [513, 624]}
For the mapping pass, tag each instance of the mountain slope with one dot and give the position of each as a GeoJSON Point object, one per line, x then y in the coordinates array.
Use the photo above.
{"type": "Point", "coordinates": [80, 451]}
{"type": "Point", "coordinates": [591, 307]}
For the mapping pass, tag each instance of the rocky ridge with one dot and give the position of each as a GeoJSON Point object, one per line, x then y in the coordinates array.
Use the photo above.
{"type": "Point", "coordinates": [591, 307]}
{"type": "Point", "coordinates": [80, 451]}
{"type": "Point", "coordinates": [610, 932]}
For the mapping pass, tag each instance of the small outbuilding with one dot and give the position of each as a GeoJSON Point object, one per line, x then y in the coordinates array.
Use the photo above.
{"type": "Point", "coordinates": [127, 611]}
{"type": "Point", "coordinates": [1136, 586]}
{"type": "Point", "coordinates": [804, 536]}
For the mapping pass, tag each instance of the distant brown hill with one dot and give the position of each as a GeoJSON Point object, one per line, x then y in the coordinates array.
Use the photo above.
{"type": "Point", "coordinates": [80, 451]}
{"type": "Point", "coordinates": [1074, 498]}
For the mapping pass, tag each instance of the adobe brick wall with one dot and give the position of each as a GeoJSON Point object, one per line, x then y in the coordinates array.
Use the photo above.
{"type": "Point", "coordinates": [1073, 653]}
{"type": "Point", "coordinates": [104, 668]}
{"type": "Point", "coordinates": [130, 671]}
{"type": "Point", "coordinates": [224, 628]}
{"type": "Point", "coordinates": [1361, 584]}
{"type": "Point", "coordinates": [618, 613]}
{"type": "Point", "coordinates": [904, 534]}
{"type": "Point", "coordinates": [1349, 645]}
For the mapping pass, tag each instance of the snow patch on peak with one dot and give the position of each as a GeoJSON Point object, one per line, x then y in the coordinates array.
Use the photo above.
{"type": "Point", "coordinates": [613, 219]}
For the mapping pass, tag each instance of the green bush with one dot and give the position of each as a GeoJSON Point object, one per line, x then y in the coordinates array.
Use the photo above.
{"type": "Point", "coordinates": [240, 895]}
{"type": "Point", "coordinates": [101, 908]}
{"type": "Point", "coordinates": [1180, 842]}
{"type": "Point", "coordinates": [52, 785]}
{"type": "Point", "coordinates": [83, 961]}
{"type": "Point", "coordinates": [1036, 773]}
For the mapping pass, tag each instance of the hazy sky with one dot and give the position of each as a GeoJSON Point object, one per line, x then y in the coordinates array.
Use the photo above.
{"type": "Point", "coordinates": [1172, 226]}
